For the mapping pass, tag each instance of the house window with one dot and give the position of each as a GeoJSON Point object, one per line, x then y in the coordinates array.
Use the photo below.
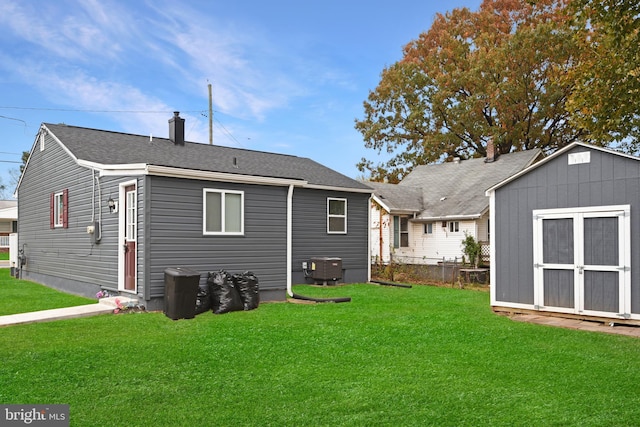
{"type": "Point", "coordinates": [454, 226]}
{"type": "Point", "coordinates": [428, 228]}
{"type": "Point", "coordinates": [131, 214]}
{"type": "Point", "coordinates": [400, 232]}
{"type": "Point", "coordinates": [336, 215]}
{"type": "Point", "coordinates": [59, 209]}
{"type": "Point", "coordinates": [223, 212]}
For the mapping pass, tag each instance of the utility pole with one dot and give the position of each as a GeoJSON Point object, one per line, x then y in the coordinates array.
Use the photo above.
{"type": "Point", "coordinates": [210, 117]}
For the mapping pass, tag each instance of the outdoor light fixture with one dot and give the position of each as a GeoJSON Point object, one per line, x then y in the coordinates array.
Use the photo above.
{"type": "Point", "coordinates": [112, 205]}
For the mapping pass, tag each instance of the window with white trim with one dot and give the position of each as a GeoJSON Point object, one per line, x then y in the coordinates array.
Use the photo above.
{"type": "Point", "coordinates": [428, 228]}
{"type": "Point", "coordinates": [454, 226]}
{"type": "Point", "coordinates": [400, 231]}
{"type": "Point", "coordinates": [59, 209]}
{"type": "Point", "coordinates": [131, 220]}
{"type": "Point", "coordinates": [336, 216]}
{"type": "Point", "coordinates": [223, 212]}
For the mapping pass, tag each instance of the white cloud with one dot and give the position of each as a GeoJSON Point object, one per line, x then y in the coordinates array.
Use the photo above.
{"type": "Point", "coordinates": [106, 55]}
{"type": "Point", "coordinates": [248, 73]}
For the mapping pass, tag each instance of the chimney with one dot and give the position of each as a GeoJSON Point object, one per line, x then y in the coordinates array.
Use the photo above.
{"type": "Point", "coordinates": [492, 155]}
{"type": "Point", "coordinates": [176, 129]}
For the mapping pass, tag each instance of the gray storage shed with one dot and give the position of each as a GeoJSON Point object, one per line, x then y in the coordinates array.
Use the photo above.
{"type": "Point", "coordinates": [562, 236]}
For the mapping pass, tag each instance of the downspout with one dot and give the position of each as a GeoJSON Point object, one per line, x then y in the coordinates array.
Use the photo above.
{"type": "Point", "coordinates": [369, 243]}
{"type": "Point", "coordinates": [289, 237]}
{"type": "Point", "coordinates": [381, 239]}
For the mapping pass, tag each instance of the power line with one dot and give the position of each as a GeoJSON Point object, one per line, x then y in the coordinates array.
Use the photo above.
{"type": "Point", "coordinates": [80, 110]}
{"type": "Point", "coordinates": [13, 118]}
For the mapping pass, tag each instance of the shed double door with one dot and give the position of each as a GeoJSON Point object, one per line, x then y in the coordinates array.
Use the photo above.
{"type": "Point", "coordinates": [582, 261]}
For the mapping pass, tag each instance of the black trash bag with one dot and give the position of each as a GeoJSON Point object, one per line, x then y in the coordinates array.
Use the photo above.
{"type": "Point", "coordinates": [247, 285]}
{"type": "Point", "coordinates": [203, 299]}
{"type": "Point", "coordinates": [224, 295]}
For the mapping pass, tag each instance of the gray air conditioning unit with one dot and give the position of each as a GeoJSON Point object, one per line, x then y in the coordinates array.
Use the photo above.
{"type": "Point", "coordinates": [325, 269]}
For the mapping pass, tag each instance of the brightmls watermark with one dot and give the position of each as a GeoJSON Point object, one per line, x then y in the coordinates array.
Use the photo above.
{"type": "Point", "coordinates": [34, 415]}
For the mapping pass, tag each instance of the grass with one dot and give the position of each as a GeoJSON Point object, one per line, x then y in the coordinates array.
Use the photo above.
{"type": "Point", "coordinates": [392, 356]}
{"type": "Point", "coordinates": [4, 256]}
{"type": "Point", "coordinates": [19, 296]}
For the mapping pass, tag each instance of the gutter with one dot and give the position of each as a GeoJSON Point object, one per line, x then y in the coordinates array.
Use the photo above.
{"type": "Point", "coordinates": [447, 218]}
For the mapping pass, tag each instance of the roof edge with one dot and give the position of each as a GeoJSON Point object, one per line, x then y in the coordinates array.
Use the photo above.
{"type": "Point", "coordinates": [334, 188]}
{"type": "Point", "coordinates": [553, 156]}
{"type": "Point", "coordinates": [220, 176]}
{"type": "Point", "coordinates": [446, 218]}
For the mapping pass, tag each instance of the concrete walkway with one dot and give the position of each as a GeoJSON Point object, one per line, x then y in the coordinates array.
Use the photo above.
{"type": "Point", "coordinates": [105, 305]}
{"type": "Point", "coordinates": [583, 325]}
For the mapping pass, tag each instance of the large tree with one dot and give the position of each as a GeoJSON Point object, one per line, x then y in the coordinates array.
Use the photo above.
{"type": "Point", "coordinates": [606, 99]}
{"type": "Point", "coordinates": [498, 73]}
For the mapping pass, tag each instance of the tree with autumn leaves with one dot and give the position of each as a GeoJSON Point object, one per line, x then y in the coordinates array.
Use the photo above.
{"type": "Point", "coordinates": [509, 72]}
{"type": "Point", "coordinates": [606, 97]}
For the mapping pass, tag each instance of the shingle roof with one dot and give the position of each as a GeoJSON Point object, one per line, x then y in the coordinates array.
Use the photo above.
{"type": "Point", "coordinates": [114, 148]}
{"type": "Point", "coordinates": [453, 189]}
{"type": "Point", "coordinates": [398, 198]}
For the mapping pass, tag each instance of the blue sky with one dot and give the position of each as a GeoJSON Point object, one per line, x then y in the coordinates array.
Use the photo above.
{"type": "Point", "coordinates": [287, 77]}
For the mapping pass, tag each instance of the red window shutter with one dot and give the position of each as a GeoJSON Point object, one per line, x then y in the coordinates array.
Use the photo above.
{"type": "Point", "coordinates": [51, 211]}
{"type": "Point", "coordinates": [65, 208]}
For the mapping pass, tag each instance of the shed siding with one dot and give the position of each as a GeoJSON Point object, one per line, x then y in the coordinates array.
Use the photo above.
{"type": "Point", "coordinates": [176, 240]}
{"type": "Point", "coordinates": [608, 179]}
{"type": "Point", "coordinates": [310, 237]}
{"type": "Point", "coordinates": [66, 258]}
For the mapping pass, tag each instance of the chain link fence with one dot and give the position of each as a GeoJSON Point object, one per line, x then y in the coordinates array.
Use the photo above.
{"type": "Point", "coordinates": [429, 270]}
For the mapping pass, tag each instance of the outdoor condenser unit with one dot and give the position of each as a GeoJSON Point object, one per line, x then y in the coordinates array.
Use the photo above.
{"type": "Point", "coordinates": [326, 269]}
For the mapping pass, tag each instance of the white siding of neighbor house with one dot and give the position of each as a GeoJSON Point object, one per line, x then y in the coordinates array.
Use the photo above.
{"type": "Point", "coordinates": [424, 248]}
{"type": "Point", "coordinates": [483, 228]}
{"type": "Point", "coordinates": [441, 244]}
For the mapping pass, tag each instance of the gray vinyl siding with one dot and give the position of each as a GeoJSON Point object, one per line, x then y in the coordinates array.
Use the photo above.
{"type": "Point", "coordinates": [175, 237]}
{"type": "Point", "coordinates": [170, 230]}
{"type": "Point", "coordinates": [608, 179]}
{"type": "Point", "coordinates": [66, 258]}
{"type": "Point", "coordinates": [310, 237]}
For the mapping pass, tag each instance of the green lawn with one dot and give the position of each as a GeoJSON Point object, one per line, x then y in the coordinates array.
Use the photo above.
{"type": "Point", "coordinates": [4, 256]}
{"type": "Point", "coordinates": [19, 296]}
{"type": "Point", "coordinates": [391, 357]}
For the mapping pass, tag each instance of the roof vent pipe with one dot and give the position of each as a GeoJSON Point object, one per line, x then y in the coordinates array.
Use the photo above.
{"type": "Point", "coordinates": [176, 129]}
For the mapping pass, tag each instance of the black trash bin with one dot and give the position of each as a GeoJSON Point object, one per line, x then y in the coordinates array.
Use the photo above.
{"type": "Point", "coordinates": [180, 292]}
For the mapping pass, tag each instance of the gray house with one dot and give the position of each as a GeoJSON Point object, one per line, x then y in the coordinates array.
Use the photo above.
{"type": "Point", "coordinates": [108, 210]}
{"type": "Point", "coordinates": [563, 240]}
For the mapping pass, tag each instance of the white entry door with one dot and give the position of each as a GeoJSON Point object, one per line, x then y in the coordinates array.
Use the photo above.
{"type": "Point", "coordinates": [582, 261]}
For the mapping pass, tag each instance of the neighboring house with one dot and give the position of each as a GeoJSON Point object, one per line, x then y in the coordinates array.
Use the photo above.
{"type": "Point", "coordinates": [8, 222]}
{"type": "Point", "coordinates": [108, 210]}
{"type": "Point", "coordinates": [424, 218]}
{"type": "Point", "coordinates": [563, 240]}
